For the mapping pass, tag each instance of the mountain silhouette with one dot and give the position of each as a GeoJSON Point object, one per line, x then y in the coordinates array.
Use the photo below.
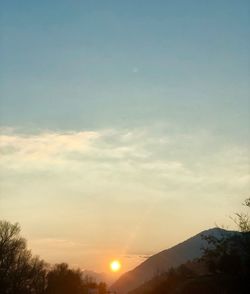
{"type": "Point", "coordinates": [164, 260]}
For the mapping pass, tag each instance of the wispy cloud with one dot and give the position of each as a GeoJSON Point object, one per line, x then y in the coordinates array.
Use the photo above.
{"type": "Point", "coordinates": [182, 158]}
{"type": "Point", "coordinates": [46, 147]}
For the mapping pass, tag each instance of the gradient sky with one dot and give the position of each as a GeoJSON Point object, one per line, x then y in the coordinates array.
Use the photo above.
{"type": "Point", "coordinates": [124, 124]}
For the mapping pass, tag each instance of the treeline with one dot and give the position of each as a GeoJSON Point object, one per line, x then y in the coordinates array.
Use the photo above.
{"type": "Point", "coordinates": [223, 268]}
{"type": "Point", "coordinates": [23, 273]}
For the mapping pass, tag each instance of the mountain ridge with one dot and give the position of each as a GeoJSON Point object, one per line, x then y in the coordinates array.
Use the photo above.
{"type": "Point", "coordinates": [160, 262]}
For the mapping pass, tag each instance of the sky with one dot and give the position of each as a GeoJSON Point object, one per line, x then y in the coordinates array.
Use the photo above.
{"type": "Point", "coordinates": [124, 124]}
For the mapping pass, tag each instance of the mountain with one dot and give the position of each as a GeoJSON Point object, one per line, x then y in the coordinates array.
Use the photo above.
{"type": "Point", "coordinates": [164, 260]}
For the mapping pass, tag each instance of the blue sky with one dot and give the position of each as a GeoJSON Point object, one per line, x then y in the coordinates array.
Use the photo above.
{"type": "Point", "coordinates": [74, 64]}
{"type": "Point", "coordinates": [113, 107]}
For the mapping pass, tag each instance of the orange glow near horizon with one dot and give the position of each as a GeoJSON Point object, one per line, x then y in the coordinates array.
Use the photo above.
{"type": "Point", "coordinates": [115, 266]}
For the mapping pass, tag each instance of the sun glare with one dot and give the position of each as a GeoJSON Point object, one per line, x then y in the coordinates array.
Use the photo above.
{"type": "Point", "coordinates": [115, 265]}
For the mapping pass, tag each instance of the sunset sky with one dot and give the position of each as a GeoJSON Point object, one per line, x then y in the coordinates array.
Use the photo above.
{"type": "Point", "coordinates": [124, 124]}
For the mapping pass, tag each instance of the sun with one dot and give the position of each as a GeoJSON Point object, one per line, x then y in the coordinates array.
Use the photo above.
{"type": "Point", "coordinates": [115, 265]}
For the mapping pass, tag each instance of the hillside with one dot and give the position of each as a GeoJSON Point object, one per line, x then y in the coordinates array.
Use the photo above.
{"type": "Point", "coordinates": [205, 284]}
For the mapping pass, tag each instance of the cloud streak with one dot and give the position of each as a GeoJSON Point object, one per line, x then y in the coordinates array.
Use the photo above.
{"type": "Point", "coordinates": [182, 158]}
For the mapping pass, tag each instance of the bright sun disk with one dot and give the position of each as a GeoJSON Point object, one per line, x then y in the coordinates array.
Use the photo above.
{"type": "Point", "coordinates": [115, 265]}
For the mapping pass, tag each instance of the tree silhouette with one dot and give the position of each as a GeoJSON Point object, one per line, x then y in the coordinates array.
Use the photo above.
{"type": "Point", "coordinates": [102, 288]}
{"type": "Point", "coordinates": [62, 280]}
{"type": "Point", "coordinates": [230, 254]}
{"type": "Point", "coordinates": [241, 219]}
{"type": "Point", "coordinates": [20, 273]}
